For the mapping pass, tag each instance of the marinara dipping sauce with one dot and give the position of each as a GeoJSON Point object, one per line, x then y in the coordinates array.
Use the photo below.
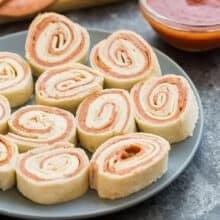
{"type": "Point", "coordinates": [192, 25]}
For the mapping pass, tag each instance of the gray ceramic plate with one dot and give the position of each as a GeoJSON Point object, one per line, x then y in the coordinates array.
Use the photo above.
{"type": "Point", "coordinates": [13, 204]}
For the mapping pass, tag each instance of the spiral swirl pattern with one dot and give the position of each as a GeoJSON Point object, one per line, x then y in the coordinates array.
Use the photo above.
{"type": "Point", "coordinates": [15, 79]}
{"type": "Point", "coordinates": [43, 170]}
{"type": "Point", "coordinates": [36, 126]}
{"type": "Point", "coordinates": [103, 115]}
{"type": "Point", "coordinates": [123, 165]}
{"type": "Point", "coordinates": [8, 157]}
{"type": "Point", "coordinates": [5, 112]}
{"type": "Point", "coordinates": [165, 106]}
{"type": "Point", "coordinates": [124, 58]}
{"type": "Point", "coordinates": [67, 86]}
{"type": "Point", "coordinates": [55, 40]}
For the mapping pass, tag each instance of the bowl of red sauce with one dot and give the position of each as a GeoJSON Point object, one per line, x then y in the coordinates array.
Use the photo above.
{"type": "Point", "coordinates": [191, 25]}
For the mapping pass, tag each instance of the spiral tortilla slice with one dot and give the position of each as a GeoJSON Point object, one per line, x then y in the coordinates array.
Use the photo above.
{"type": "Point", "coordinates": [16, 82]}
{"type": "Point", "coordinates": [35, 126]}
{"type": "Point", "coordinates": [104, 115]}
{"type": "Point", "coordinates": [124, 58]}
{"type": "Point", "coordinates": [165, 106]}
{"type": "Point", "coordinates": [54, 40]}
{"type": "Point", "coordinates": [128, 163]}
{"type": "Point", "coordinates": [65, 87]}
{"type": "Point", "coordinates": [8, 157]}
{"type": "Point", "coordinates": [5, 112]}
{"type": "Point", "coordinates": [53, 174]}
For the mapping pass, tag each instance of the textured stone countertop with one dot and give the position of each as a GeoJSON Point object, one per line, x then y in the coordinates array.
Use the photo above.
{"type": "Point", "coordinates": [196, 192]}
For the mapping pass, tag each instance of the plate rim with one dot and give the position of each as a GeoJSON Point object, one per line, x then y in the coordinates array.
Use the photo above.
{"type": "Point", "coordinates": [143, 197]}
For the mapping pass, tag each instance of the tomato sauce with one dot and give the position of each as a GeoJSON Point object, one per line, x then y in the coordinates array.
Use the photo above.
{"type": "Point", "coordinates": [193, 12]}
{"type": "Point", "coordinates": [192, 25]}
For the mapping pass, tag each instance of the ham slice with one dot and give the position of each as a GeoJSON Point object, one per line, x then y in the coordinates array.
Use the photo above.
{"type": "Point", "coordinates": [67, 86]}
{"type": "Point", "coordinates": [103, 115]}
{"type": "Point", "coordinates": [128, 163]}
{"type": "Point", "coordinates": [5, 112]}
{"type": "Point", "coordinates": [165, 106]}
{"type": "Point", "coordinates": [8, 158]}
{"type": "Point", "coordinates": [124, 58]}
{"type": "Point", "coordinates": [53, 174]}
{"type": "Point", "coordinates": [35, 126]}
{"type": "Point", "coordinates": [54, 40]}
{"type": "Point", "coordinates": [16, 81]}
